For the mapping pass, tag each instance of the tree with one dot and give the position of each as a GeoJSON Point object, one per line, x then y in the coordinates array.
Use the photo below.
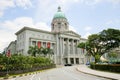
{"type": "Point", "coordinates": [101, 43]}
{"type": "Point", "coordinates": [33, 50]}
{"type": "Point", "coordinates": [41, 51]}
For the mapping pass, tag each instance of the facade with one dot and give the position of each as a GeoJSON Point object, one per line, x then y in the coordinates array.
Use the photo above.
{"type": "Point", "coordinates": [63, 41]}
{"type": "Point", "coordinates": [11, 47]}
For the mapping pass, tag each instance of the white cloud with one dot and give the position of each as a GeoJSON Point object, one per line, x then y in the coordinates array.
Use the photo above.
{"type": "Point", "coordinates": [43, 26]}
{"type": "Point", "coordinates": [94, 2]}
{"type": "Point", "coordinates": [23, 3]}
{"type": "Point", "coordinates": [5, 4]}
{"type": "Point", "coordinates": [5, 38]}
{"type": "Point", "coordinates": [45, 9]}
{"type": "Point", "coordinates": [86, 35]}
{"type": "Point", "coordinates": [72, 28]}
{"type": "Point", "coordinates": [3, 45]}
{"type": "Point", "coordinates": [114, 1]}
{"type": "Point", "coordinates": [10, 27]}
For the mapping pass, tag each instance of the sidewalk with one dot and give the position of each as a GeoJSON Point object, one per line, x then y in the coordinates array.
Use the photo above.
{"type": "Point", "coordinates": [85, 69]}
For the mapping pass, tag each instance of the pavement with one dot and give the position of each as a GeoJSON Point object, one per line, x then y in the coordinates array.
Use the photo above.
{"type": "Point", "coordinates": [87, 70]}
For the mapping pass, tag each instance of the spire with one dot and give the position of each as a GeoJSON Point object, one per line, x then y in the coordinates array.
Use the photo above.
{"type": "Point", "coordinates": [59, 9]}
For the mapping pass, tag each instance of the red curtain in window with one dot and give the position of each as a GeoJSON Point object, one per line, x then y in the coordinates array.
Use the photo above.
{"type": "Point", "coordinates": [48, 45]}
{"type": "Point", "coordinates": [39, 44]}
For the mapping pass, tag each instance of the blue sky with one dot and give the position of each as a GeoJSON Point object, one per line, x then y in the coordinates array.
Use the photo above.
{"type": "Point", "coordinates": [85, 16]}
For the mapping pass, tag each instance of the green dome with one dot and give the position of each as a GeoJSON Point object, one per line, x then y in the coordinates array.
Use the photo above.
{"type": "Point", "coordinates": [59, 14]}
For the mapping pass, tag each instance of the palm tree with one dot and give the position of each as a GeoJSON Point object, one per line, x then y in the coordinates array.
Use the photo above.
{"type": "Point", "coordinates": [33, 50]}
{"type": "Point", "coordinates": [39, 51]}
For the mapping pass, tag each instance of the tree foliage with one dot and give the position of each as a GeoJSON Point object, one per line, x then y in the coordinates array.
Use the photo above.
{"type": "Point", "coordinates": [101, 43]}
{"type": "Point", "coordinates": [40, 51]}
{"type": "Point", "coordinates": [21, 62]}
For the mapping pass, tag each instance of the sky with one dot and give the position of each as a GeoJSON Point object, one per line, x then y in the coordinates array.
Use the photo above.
{"type": "Point", "coordinates": [85, 17]}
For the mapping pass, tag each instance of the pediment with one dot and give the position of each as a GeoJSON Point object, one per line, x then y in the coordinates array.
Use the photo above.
{"type": "Point", "coordinates": [71, 33]}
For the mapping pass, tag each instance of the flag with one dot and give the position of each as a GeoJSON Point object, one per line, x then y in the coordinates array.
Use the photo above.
{"type": "Point", "coordinates": [8, 54]}
{"type": "Point", "coordinates": [48, 45]}
{"type": "Point", "coordinates": [39, 44]}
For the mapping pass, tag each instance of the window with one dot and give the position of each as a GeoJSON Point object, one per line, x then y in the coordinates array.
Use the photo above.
{"type": "Point", "coordinates": [34, 43]}
{"type": "Point", "coordinates": [59, 25]}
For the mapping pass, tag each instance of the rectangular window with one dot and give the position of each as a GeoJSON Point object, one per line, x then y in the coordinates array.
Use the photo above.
{"type": "Point", "coordinates": [34, 43]}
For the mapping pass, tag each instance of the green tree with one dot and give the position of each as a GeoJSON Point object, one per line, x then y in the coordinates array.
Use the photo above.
{"type": "Point", "coordinates": [101, 43]}
{"type": "Point", "coordinates": [33, 50]}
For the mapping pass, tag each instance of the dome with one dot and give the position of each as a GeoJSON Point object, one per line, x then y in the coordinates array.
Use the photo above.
{"type": "Point", "coordinates": [59, 14]}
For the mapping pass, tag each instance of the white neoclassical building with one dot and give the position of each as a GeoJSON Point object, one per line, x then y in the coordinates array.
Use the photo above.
{"type": "Point", "coordinates": [63, 41]}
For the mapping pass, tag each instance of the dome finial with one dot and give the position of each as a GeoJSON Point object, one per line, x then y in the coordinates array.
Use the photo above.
{"type": "Point", "coordinates": [59, 9]}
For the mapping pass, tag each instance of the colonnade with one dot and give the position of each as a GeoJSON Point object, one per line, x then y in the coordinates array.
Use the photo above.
{"type": "Point", "coordinates": [68, 50]}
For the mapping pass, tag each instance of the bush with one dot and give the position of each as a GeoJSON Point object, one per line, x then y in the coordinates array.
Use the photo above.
{"type": "Point", "coordinates": [21, 64]}
{"type": "Point", "coordinates": [106, 67]}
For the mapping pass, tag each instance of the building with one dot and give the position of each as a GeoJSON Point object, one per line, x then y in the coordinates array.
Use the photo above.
{"type": "Point", "coordinates": [63, 41]}
{"type": "Point", "coordinates": [11, 47]}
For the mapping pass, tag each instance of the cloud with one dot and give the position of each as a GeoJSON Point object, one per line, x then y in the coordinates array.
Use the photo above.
{"type": "Point", "coordinates": [95, 2]}
{"type": "Point", "coordinates": [3, 45]}
{"type": "Point", "coordinates": [43, 26]}
{"type": "Point", "coordinates": [45, 9]}
{"type": "Point", "coordinates": [72, 28]}
{"type": "Point", "coordinates": [86, 35]}
{"type": "Point", "coordinates": [92, 2]}
{"type": "Point", "coordinates": [5, 4]}
{"type": "Point", "coordinates": [10, 27]}
{"type": "Point", "coordinates": [115, 1]}
{"type": "Point", "coordinates": [5, 38]}
{"type": "Point", "coordinates": [23, 3]}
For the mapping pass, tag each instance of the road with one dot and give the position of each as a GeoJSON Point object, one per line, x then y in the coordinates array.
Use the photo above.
{"type": "Point", "coordinates": [63, 73]}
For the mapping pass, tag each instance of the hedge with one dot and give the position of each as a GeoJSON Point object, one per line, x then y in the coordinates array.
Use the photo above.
{"type": "Point", "coordinates": [17, 64]}
{"type": "Point", "coordinates": [3, 73]}
{"type": "Point", "coordinates": [106, 67]}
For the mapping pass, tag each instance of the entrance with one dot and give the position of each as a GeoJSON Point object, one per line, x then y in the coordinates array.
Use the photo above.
{"type": "Point", "coordinates": [65, 60]}
{"type": "Point", "coordinates": [72, 60]}
{"type": "Point", "coordinates": [77, 60]}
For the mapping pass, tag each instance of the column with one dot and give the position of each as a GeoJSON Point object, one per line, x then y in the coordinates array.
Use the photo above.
{"type": "Point", "coordinates": [36, 43]}
{"type": "Point", "coordinates": [60, 54]}
{"type": "Point", "coordinates": [74, 52]}
{"type": "Point", "coordinates": [41, 44]}
{"type": "Point", "coordinates": [72, 46]}
{"type": "Point", "coordinates": [68, 51]}
{"type": "Point", "coordinates": [63, 47]}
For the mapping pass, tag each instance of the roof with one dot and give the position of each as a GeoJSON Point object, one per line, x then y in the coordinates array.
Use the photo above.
{"type": "Point", "coordinates": [59, 14]}
{"type": "Point", "coordinates": [32, 29]}
{"type": "Point", "coordinates": [68, 33]}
